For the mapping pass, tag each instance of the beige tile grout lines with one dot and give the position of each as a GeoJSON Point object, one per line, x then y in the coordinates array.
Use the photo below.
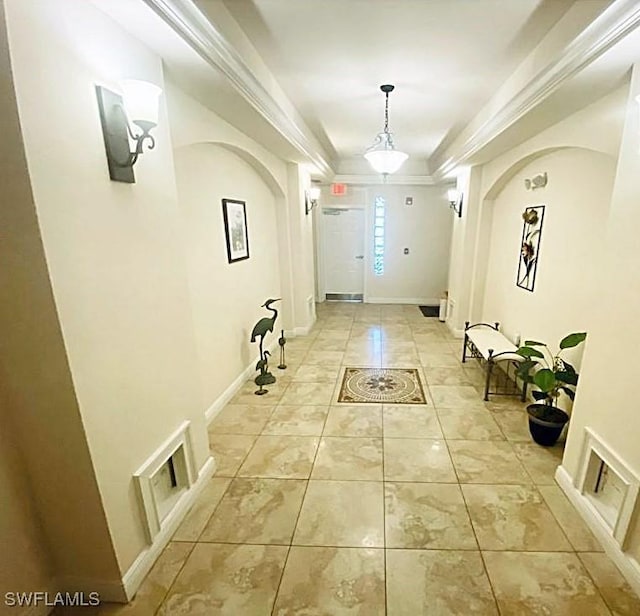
{"type": "Point", "coordinates": [332, 402]}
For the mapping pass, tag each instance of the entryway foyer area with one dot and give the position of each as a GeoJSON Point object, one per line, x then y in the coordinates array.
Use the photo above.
{"type": "Point", "coordinates": [321, 507]}
{"type": "Point", "coordinates": [136, 461]}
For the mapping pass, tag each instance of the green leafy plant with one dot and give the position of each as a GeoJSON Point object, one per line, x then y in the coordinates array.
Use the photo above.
{"type": "Point", "coordinates": [550, 373]}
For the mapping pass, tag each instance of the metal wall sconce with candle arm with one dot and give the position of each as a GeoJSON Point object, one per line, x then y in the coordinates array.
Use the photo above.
{"type": "Point", "coordinates": [311, 197]}
{"type": "Point", "coordinates": [137, 106]}
{"type": "Point", "coordinates": [455, 201]}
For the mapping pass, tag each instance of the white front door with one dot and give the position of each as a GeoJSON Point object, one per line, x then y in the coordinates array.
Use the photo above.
{"type": "Point", "coordinates": [343, 248]}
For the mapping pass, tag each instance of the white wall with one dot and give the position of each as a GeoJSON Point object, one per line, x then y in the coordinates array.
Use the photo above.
{"type": "Point", "coordinates": [424, 228]}
{"type": "Point", "coordinates": [300, 241]}
{"type": "Point", "coordinates": [606, 398]}
{"type": "Point", "coordinates": [115, 252]}
{"type": "Point", "coordinates": [463, 248]}
{"type": "Point", "coordinates": [155, 323]}
{"type": "Point", "coordinates": [192, 123]}
{"type": "Point", "coordinates": [38, 398]}
{"type": "Point", "coordinates": [576, 202]}
{"type": "Point", "coordinates": [226, 296]}
{"type": "Point", "coordinates": [482, 183]}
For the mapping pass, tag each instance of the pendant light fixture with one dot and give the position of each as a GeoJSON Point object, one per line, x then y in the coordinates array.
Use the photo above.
{"type": "Point", "coordinates": [382, 155]}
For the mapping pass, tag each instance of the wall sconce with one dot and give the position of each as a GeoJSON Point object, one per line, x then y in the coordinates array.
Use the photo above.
{"type": "Point", "coordinates": [537, 181]}
{"type": "Point", "coordinates": [455, 201]}
{"type": "Point", "coordinates": [137, 106]}
{"type": "Point", "coordinates": [311, 197]}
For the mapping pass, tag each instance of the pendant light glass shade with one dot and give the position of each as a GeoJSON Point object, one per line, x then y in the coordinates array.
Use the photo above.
{"type": "Point", "coordinates": [382, 155]}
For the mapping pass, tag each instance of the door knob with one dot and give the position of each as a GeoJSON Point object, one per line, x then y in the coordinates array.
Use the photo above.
{"type": "Point", "coordinates": [359, 256]}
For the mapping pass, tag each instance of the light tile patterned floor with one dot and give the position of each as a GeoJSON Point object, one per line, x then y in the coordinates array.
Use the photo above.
{"type": "Point", "coordinates": [325, 508]}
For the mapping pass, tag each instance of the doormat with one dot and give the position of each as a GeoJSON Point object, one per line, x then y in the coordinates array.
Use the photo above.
{"type": "Point", "coordinates": [430, 311]}
{"type": "Point", "coordinates": [378, 385]}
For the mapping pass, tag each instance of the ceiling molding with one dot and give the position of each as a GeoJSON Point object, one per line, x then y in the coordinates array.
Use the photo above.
{"type": "Point", "coordinates": [397, 180]}
{"type": "Point", "coordinates": [618, 20]}
{"type": "Point", "coordinates": [187, 20]}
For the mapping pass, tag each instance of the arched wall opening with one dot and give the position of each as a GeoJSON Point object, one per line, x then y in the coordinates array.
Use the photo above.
{"type": "Point", "coordinates": [577, 201]}
{"type": "Point", "coordinates": [227, 297]}
{"type": "Point", "coordinates": [485, 225]}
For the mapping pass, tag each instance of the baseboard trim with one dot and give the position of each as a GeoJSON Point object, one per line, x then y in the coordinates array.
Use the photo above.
{"type": "Point", "coordinates": [223, 399]}
{"type": "Point", "coordinates": [628, 566]}
{"type": "Point", "coordinates": [306, 330]}
{"type": "Point", "coordinates": [458, 333]}
{"type": "Point", "coordinates": [245, 375]}
{"type": "Point", "coordinates": [146, 559]}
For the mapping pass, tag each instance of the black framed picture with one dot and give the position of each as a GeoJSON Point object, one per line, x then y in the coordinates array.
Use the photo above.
{"type": "Point", "coordinates": [530, 247]}
{"type": "Point", "coordinates": [235, 228]}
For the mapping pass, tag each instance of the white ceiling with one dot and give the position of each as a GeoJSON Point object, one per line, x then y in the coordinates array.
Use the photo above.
{"type": "Point", "coordinates": [446, 58]}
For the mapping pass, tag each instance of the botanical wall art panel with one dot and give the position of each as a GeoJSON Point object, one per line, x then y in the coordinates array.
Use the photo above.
{"type": "Point", "coordinates": [530, 246]}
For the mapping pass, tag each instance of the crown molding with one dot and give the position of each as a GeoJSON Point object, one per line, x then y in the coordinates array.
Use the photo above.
{"type": "Point", "coordinates": [610, 27]}
{"type": "Point", "coordinates": [397, 180]}
{"type": "Point", "coordinates": [187, 20]}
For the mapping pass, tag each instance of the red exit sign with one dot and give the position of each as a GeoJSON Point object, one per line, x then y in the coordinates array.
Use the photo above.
{"type": "Point", "coordinates": [338, 190]}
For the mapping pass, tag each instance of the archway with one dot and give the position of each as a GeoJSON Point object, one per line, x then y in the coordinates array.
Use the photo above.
{"type": "Point", "coordinates": [485, 220]}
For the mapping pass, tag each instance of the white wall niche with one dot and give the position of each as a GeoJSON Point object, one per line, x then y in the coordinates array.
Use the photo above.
{"type": "Point", "coordinates": [609, 487]}
{"type": "Point", "coordinates": [165, 479]}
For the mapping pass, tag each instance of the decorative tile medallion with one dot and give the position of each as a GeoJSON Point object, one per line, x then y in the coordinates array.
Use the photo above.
{"type": "Point", "coordinates": [378, 385]}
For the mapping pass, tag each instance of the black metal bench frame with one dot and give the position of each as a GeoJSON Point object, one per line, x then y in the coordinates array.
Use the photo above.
{"type": "Point", "coordinates": [508, 381]}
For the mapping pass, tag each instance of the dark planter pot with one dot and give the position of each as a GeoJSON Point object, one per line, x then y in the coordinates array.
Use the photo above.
{"type": "Point", "coordinates": [546, 423]}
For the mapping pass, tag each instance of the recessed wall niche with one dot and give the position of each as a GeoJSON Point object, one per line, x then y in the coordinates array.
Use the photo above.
{"type": "Point", "coordinates": [609, 487]}
{"type": "Point", "coordinates": [164, 479]}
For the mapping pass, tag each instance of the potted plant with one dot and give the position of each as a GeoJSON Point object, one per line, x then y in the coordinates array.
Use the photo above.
{"type": "Point", "coordinates": [552, 375]}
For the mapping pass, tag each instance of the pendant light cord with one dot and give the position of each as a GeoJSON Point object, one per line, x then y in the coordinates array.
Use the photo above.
{"type": "Point", "coordinates": [386, 113]}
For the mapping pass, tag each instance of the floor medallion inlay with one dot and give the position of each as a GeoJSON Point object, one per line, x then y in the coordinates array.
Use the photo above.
{"type": "Point", "coordinates": [381, 385]}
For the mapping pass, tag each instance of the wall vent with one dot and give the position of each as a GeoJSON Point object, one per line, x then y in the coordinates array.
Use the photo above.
{"type": "Point", "coordinates": [165, 478]}
{"type": "Point", "coordinates": [608, 485]}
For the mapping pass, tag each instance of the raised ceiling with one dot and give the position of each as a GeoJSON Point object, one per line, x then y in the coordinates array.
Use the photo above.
{"type": "Point", "coordinates": [474, 77]}
{"type": "Point", "coordinates": [446, 58]}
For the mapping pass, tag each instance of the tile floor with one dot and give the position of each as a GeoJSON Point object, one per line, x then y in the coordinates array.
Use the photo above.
{"type": "Point", "coordinates": [320, 508]}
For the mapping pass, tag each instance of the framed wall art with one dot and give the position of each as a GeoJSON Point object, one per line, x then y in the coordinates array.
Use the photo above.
{"type": "Point", "coordinates": [530, 246]}
{"type": "Point", "coordinates": [235, 228]}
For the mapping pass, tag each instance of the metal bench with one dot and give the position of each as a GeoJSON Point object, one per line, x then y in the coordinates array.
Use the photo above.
{"type": "Point", "coordinates": [490, 347]}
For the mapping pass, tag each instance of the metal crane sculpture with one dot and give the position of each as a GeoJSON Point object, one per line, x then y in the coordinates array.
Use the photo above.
{"type": "Point", "coordinates": [282, 341]}
{"type": "Point", "coordinates": [265, 324]}
{"type": "Point", "coordinates": [260, 329]}
{"type": "Point", "coordinates": [265, 377]}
